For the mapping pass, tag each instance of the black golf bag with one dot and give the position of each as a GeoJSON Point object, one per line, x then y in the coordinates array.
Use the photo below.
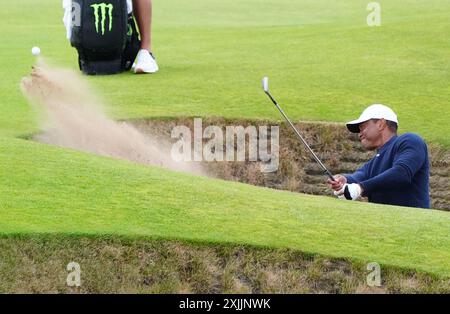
{"type": "Point", "coordinates": [104, 35]}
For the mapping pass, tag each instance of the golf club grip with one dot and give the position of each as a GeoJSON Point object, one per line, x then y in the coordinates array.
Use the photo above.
{"type": "Point", "coordinates": [328, 173]}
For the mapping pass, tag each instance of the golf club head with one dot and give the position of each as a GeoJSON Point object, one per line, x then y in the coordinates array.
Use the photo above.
{"type": "Point", "coordinates": [265, 83]}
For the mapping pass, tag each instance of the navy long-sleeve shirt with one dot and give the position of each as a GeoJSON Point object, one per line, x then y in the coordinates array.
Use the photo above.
{"type": "Point", "coordinates": [398, 174]}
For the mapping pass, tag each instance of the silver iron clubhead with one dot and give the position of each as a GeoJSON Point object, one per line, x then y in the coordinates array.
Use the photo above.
{"type": "Point", "coordinates": [265, 83]}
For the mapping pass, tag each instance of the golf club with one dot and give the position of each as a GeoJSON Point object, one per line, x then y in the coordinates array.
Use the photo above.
{"type": "Point", "coordinates": [266, 90]}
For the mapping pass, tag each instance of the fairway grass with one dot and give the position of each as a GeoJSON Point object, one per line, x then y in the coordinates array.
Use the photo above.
{"type": "Point", "coordinates": [324, 64]}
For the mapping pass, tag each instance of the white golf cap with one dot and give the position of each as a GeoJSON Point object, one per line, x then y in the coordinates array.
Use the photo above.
{"type": "Point", "coordinates": [376, 111]}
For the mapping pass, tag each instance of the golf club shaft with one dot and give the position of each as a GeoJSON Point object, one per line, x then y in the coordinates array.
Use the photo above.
{"type": "Point", "coordinates": [326, 171]}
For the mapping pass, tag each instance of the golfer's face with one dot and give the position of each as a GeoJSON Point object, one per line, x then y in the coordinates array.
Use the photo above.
{"type": "Point", "coordinates": [369, 134]}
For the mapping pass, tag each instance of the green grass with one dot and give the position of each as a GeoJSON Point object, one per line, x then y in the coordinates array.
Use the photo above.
{"type": "Point", "coordinates": [51, 190]}
{"type": "Point", "coordinates": [324, 64]}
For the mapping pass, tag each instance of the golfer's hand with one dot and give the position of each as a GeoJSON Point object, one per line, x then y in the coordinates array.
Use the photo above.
{"type": "Point", "coordinates": [338, 183]}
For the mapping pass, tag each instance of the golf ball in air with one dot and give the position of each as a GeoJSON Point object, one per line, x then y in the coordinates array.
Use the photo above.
{"type": "Point", "coordinates": [36, 51]}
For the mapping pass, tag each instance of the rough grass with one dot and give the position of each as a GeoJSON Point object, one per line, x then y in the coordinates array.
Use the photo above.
{"type": "Point", "coordinates": [118, 265]}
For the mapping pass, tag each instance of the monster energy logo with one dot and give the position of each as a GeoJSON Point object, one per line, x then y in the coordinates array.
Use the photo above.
{"type": "Point", "coordinates": [103, 7]}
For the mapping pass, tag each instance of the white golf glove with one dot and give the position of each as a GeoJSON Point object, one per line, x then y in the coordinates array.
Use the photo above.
{"type": "Point", "coordinates": [351, 191]}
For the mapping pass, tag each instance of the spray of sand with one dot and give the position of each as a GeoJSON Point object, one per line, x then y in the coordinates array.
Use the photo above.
{"type": "Point", "coordinates": [72, 116]}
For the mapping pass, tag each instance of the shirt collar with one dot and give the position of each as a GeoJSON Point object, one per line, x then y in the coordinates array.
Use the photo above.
{"type": "Point", "coordinates": [386, 145]}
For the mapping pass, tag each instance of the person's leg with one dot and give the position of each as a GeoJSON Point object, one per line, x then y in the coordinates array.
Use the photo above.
{"type": "Point", "coordinates": [143, 12]}
{"type": "Point", "coordinates": [145, 61]}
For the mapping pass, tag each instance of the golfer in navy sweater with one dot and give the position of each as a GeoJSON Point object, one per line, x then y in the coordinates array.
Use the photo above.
{"type": "Point", "coordinates": [399, 172]}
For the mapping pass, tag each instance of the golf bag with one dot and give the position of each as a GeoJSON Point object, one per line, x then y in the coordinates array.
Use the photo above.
{"type": "Point", "coordinates": [105, 36]}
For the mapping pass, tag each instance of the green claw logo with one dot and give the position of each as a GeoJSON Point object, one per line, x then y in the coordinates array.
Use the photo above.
{"type": "Point", "coordinates": [102, 8]}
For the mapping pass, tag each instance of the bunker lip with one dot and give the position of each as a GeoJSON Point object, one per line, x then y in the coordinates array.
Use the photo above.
{"type": "Point", "coordinates": [340, 150]}
{"type": "Point", "coordinates": [297, 171]}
